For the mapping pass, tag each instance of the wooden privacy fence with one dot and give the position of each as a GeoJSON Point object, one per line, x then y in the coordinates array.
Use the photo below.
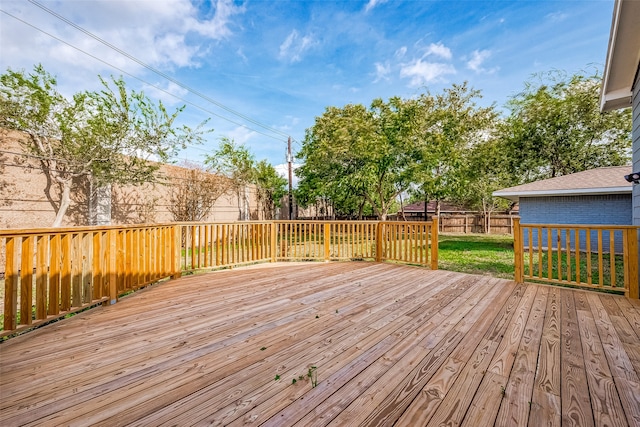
{"type": "Point", "coordinates": [477, 223]}
{"type": "Point", "coordinates": [594, 256]}
{"type": "Point", "coordinates": [49, 273]}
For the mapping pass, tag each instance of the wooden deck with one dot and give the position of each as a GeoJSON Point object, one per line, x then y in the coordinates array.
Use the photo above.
{"type": "Point", "coordinates": [391, 345]}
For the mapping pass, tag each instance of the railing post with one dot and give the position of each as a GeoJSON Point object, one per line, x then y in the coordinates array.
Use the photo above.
{"type": "Point", "coordinates": [176, 264]}
{"type": "Point", "coordinates": [434, 243]}
{"type": "Point", "coordinates": [517, 251]}
{"type": "Point", "coordinates": [112, 273]}
{"type": "Point", "coordinates": [631, 264]}
{"type": "Point", "coordinates": [379, 236]}
{"type": "Point", "coordinates": [327, 241]}
{"type": "Point", "coordinates": [274, 242]}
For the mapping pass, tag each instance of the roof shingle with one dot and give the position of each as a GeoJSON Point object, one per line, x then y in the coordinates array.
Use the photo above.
{"type": "Point", "coordinates": [607, 180]}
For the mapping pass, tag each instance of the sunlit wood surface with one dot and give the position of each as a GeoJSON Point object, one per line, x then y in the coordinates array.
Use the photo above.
{"type": "Point", "coordinates": [391, 345]}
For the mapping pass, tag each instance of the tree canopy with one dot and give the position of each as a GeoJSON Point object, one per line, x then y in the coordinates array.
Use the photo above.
{"type": "Point", "coordinates": [106, 136]}
{"type": "Point", "coordinates": [238, 164]}
{"type": "Point", "coordinates": [449, 125]}
{"type": "Point", "coordinates": [445, 146]}
{"type": "Point", "coordinates": [357, 155]}
{"type": "Point", "coordinates": [556, 128]}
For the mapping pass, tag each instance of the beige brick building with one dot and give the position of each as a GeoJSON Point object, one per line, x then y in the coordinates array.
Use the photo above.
{"type": "Point", "coordinates": [29, 200]}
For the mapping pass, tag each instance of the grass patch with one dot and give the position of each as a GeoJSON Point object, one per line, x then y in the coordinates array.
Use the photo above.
{"type": "Point", "coordinates": [477, 254]}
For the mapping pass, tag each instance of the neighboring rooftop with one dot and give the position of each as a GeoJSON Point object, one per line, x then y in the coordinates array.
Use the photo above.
{"type": "Point", "coordinates": [609, 180]}
{"type": "Point", "coordinates": [418, 207]}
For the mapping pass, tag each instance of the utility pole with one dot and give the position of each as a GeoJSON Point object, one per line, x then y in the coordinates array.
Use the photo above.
{"type": "Point", "coordinates": [289, 162]}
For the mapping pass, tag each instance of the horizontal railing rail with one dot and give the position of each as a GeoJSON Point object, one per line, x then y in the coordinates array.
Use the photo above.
{"type": "Point", "coordinates": [603, 257]}
{"type": "Point", "coordinates": [49, 273]}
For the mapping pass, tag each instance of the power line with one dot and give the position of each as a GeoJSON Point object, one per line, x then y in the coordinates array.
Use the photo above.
{"type": "Point", "coordinates": [156, 71]}
{"type": "Point", "coordinates": [139, 79]}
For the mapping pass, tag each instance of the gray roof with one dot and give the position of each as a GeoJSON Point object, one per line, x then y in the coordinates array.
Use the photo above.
{"type": "Point", "coordinates": [609, 180]}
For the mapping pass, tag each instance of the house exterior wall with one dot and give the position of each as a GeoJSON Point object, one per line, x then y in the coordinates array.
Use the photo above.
{"type": "Point", "coordinates": [614, 209]}
{"type": "Point", "coordinates": [601, 209]}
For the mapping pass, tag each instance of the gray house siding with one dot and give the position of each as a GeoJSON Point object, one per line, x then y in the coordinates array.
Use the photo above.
{"type": "Point", "coordinates": [614, 209]}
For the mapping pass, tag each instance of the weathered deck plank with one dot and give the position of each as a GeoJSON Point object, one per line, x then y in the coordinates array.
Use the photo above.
{"type": "Point", "coordinates": [393, 345]}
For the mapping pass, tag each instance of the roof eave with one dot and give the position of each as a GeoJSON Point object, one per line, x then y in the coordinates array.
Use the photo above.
{"type": "Point", "coordinates": [623, 56]}
{"type": "Point", "coordinates": [515, 195]}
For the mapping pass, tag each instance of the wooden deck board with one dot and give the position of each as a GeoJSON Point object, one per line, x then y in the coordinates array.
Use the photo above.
{"type": "Point", "coordinates": [393, 345]}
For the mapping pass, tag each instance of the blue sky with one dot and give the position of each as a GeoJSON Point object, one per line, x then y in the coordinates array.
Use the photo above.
{"type": "Point", "coordinates": [281, 63]}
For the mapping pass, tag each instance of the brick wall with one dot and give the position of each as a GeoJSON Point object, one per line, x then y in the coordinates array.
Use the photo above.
{"type": "Point", "coordinates": [24, 204]}
{"type": "Point", "coordinates": [602, 209]}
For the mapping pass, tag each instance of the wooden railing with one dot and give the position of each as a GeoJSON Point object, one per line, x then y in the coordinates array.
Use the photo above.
{"type": "Point", "coordinates": [593, 256]}
{"type": "Point", "coordinates": [49, 273]}
{"type": "Point", "coordinates": [53, 272]}
{"type": "Point", "coordinates": [410, 242]}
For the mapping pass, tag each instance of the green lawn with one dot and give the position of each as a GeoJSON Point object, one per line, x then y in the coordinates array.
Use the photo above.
{"type": "Point", "coordinates": [477, 254]}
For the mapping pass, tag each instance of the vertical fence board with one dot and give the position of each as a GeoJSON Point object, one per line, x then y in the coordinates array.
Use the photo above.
{"type": "Point", "coordinates": [576, 233]}
{"type": "Point", "coordinates": [54, 275]}
{"type": "Point", "coordinates": [76, 270]}
{"type": "Point", "coordinates": [26, 280]}
{"type": "Point", "coordinates": [612, 258]}
{"type": "Point", "coordinates": [10, 283]}
{"type": "Point", "coordinates": [600, 261]}
{"type": "Point", "coordinates": [87, 261]}
{"type": "Point", "coordinates": [631, 267]}
{"type": "Point", "coordinates": [96, 267]}
{"type": "Point", "coordinates": [66, 279]}
{"type": "Point", "coordinates": [42, 274]}
{"type": "Point", "coordinates": [568, 244]}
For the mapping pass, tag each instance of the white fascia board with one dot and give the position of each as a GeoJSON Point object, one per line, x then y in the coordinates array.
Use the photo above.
{"type": "Point", "coordinates": [615, 100]}
{"type": "Point", "coordinates": [572, 192]}
{"type": "Point", "coordinates": [623, 56]}
{"type": "Point", "coordinates": [606, 75]}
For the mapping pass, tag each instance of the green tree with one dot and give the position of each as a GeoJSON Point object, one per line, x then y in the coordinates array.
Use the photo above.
{"type": "Point", "coordinates": [485, 171]}
{"type": "Point", "coordinates": [236, 162]}
{"type": "Point", "coordinates": [106, 137]}
{"type": "Point", "coordinates": [359, 155]}
{"type": "Point", "coordinates": [271, 188]}
{"type": "Point", "coordinates": [447, 126]}
{"type": "Point", "coordinates": [556, 128]}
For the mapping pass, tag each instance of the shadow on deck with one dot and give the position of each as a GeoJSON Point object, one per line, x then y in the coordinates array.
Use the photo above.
{"type": "Point", "coordinates": [390, 343]}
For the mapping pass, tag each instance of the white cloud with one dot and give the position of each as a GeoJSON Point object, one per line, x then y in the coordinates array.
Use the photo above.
{"type": "Point", "coordinates": [164, 34]}
{"type": "Point", "coordinates": [438, 49]}
{"type": "Point", "coordinates": [217, 27]}
{"type": "Point", "coordinates": [382, 71]}
{"type": "Point", "coordinates": [240, 134]}
{"type": "Point", "coordinates": [159, 91]}
{"type": "Point", "coordinates": [478, 57]}
{"type": "Point", "coordinates": [557, 16]}
{"type": "Point", "coordinates": [295, 46]}
{"type": "Point", "coordinates": [283, 170]}
{"type": "Point", "coordinates": [241, 54]}
{"type": "Point", "coordinates": [421, 72]}
{"type": "Point", "coordinates": [400, 53]}
{"type": "Point", "coordinates": [373, 3]}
